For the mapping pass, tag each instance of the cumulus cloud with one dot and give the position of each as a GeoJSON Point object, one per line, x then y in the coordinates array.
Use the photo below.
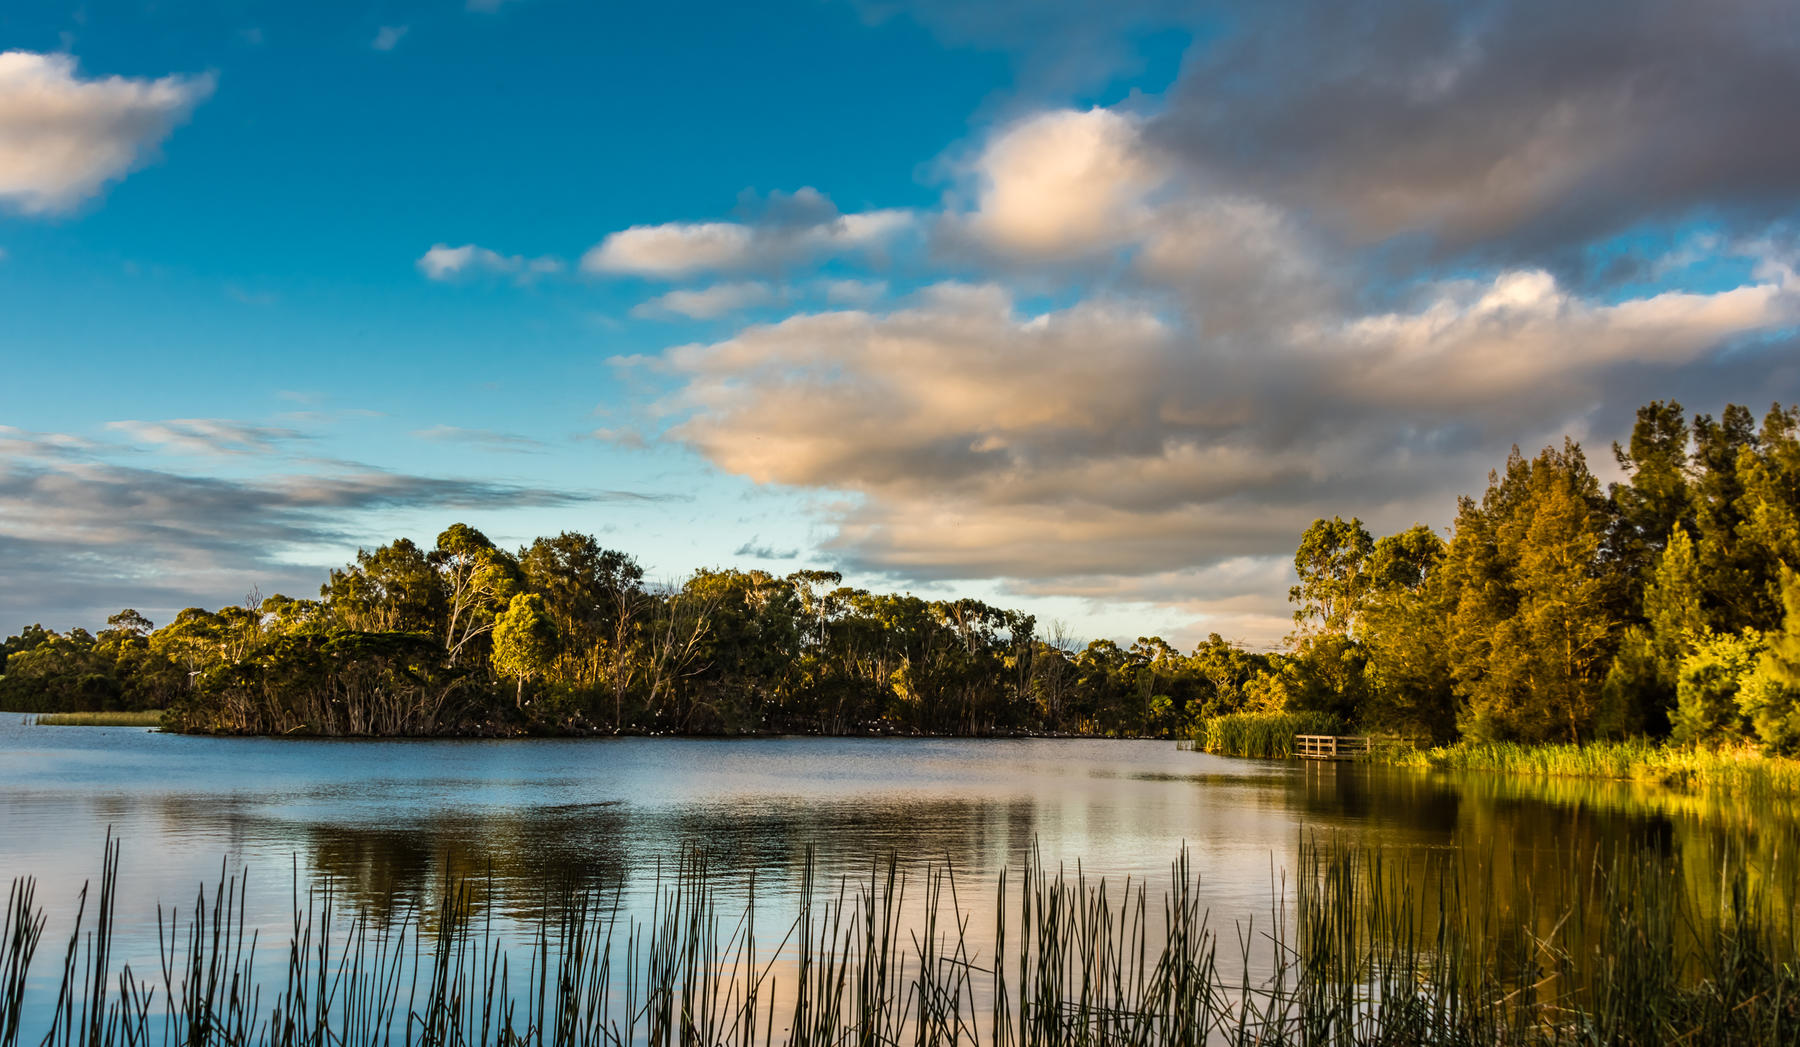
{"type": "Point", "coordinates": [789, 228]}
{"type": "Point", "coordinates": [63, 137]}
{"type": "Point", "coordinates": [444, 263]}
{"type": "Point", "coordinates": [1501, 124]}
{"type": "Point", "coordinates": [706, 303]}
{"type": "Point", "coordinates": [1063, 182]}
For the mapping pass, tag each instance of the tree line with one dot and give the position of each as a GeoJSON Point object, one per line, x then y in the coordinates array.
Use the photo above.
{"type": "Point", "coordinates": [1554, 609]}
{"type": "Point", "coordinates": [1664, 605]}
{"type": "Point", "coordinates": [567, 636]}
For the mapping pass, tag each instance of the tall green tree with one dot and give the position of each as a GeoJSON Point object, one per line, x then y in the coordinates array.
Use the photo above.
{"type": "Point", "coordinates": [524, 641]}
{"type": "Point", "coordinates": [1655, 498]}
{"type": "Point", "coordinates": [1534, 624]}
{"type": "Point", "coordinates": [1410, 687]}
{"type": "Point", "coordinates": [1332, 564]}
{"type": "Point", "coordinates": [477, 579]}
{"type": "Point", "coordinates": [1735, 594]}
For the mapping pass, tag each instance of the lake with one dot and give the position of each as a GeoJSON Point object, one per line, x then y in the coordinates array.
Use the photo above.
{"type": "Point", "coordinates": [385, 821]}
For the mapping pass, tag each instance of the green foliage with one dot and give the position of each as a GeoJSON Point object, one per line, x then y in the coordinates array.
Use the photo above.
{"type": "Point", "coordinates": [524, 641]}
{"type": "Point", "coordinates": [1770, 697]}
{"type": "Point", "coordinates": [1332, 563]}
{"type": "Point", "coordinates": [1533, 629]}
{"type": "Point", "coordinates": [1672, 604]}
{"type": "Point", "coordinates": [1708, 683]}
{"type": "Point", "coordinates": [335, 682]}
{"type": "Point", "coordinates": [455, 639]}
{"type": "Point", "coordinates": [1556, 613]}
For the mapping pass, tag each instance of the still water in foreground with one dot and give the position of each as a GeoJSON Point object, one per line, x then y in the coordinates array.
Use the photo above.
{"type": "Point", "coordinates": [386, 822]}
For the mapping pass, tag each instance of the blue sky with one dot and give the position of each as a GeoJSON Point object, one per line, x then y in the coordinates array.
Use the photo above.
{"type": "Point", "coordinates": [1084, 309]}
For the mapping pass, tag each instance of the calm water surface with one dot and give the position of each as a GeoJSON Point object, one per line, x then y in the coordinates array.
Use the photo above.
{"type": "Point", "coordinates": [385, 821]}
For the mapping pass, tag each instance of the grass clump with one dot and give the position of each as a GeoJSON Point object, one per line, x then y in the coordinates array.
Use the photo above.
{"type": "Point", "coordinates": [1266, 735]}
{"type": "Point", "coordinates": [139, 718]}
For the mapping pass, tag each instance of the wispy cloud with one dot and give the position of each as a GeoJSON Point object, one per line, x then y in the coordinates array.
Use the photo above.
{"type": "Point", "coordinates": [81, 536]}
{"type": "Point", "coordinates": [209, 436]}
{"type": "Point", "coordinates": [487, 439]}
{"type": "Point", "coordinates": [757, 550]}
{"type": "Point", "coordinates": [388, 37]}
{"type": "Point", "coordinates": [707, 303]}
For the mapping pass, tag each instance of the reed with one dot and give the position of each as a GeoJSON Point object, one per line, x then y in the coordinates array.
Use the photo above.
{"type": "Point", "coordinates": [141, 718]}
{"type": "Point", "coordinates": [1741, 769]}
{"type": "Point", "coordinates": [1264, 735]}
{"type": "Point", "coordinates": [1373, 949]}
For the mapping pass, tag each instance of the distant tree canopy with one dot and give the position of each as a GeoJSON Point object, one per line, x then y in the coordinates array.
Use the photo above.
{"type": "Point", "coordinates": [1663, 605]}
{"type": "Point", "coordinates": [565, 635]}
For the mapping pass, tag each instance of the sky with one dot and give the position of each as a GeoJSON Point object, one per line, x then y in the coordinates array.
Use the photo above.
{"type": "Point", "coordinates": [1085, 309]}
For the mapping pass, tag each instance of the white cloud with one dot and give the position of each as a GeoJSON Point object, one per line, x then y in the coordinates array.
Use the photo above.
{"type": "Point", "coordinates": [1064, 182]}
{"type": "Point", "coordinates": [1515, 335]}
{"type": "Point", "coordinates": [388, 37]}
{"type": "Point", "coordinates": [63, 138]}
{"type": "Point", "coordinates": [443, 262]}
{"type": "Point", "coordinates": [795, 227]}
{"type": "Point", "coordinates": [672, 249]}
{"type": "Point", "coordinates": [707, 303]}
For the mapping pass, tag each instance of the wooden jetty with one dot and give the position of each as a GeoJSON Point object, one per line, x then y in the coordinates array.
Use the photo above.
{"type": "Point", "coordinates": [1330, 746]}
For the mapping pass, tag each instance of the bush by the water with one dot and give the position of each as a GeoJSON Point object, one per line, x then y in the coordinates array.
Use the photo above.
{"type": "Point", "coordinates": [1268, 735]}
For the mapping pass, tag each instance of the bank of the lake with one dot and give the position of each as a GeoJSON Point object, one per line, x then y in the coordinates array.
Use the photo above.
{"type": "Point", "coordinates": [1734, 768]}
{"type": "Point", "coordinates": [1742, 769]}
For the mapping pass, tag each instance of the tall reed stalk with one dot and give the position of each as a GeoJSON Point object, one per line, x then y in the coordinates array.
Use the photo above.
{"type": "Point", "coordinates": [1360, 947]}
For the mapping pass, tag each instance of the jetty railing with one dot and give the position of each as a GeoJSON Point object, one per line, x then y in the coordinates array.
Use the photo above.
{"type": "Point", "coordinates": [1330, 746]}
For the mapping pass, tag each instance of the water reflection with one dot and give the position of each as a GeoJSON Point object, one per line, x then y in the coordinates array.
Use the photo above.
{"type": "Point", "coordinates": [387, 823]}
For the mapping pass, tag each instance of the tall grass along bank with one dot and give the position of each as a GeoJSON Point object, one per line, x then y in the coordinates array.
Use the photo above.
{"type": "Point", "coordinates": [1370, 950]}
{"type": "Point", "coordinates": [1266, 735]}
{"type": "Point", "coordinates": [1738, 769]}
{"type": "Point", "coordinates": [143, 718]}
